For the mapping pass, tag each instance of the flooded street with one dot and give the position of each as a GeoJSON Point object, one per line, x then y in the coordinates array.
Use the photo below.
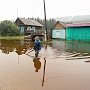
{"type": "Point", "coordinates": [62, 66]}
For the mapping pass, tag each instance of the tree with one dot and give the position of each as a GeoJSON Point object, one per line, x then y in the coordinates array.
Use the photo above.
{"type": "Point", "coordinates": [8, 28]}
{"type": "Point", "coordinates": [50, 22]}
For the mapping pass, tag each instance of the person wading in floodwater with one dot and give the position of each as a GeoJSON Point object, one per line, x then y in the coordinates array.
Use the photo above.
{"type": "Point", "coordinates": [37, 46]}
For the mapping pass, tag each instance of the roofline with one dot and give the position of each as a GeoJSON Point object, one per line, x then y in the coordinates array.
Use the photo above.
{"type": "Point", "coordinates": [78, 24]}
{"type": "Point", "coordinates": [29, 24]}
{"type": "Point", "coordinates": [59, 23]}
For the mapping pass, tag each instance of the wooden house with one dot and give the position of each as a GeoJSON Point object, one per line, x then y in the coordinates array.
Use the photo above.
{"type": "Point", "coordinates": [58, 31]}
{"type": "Point", "coordinates": [28, 26]}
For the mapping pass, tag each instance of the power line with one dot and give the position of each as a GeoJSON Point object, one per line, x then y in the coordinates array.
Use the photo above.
{"type": "Point", "coordinates": [71, 6]}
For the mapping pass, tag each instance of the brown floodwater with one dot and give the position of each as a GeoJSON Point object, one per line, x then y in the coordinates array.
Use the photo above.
{"type": "Point", "coordinates": [62, 66]}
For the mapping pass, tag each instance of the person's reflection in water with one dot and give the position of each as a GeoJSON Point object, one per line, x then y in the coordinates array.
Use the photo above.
{"type": "Point", "coordinates": [37, 63]}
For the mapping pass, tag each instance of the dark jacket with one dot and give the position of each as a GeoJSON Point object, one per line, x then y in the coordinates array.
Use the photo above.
{"type": "Point", "coordinates": [37, 45]}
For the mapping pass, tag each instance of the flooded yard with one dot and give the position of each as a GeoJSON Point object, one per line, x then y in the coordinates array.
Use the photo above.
{"type": "Point", "coordinates": [64, 65]}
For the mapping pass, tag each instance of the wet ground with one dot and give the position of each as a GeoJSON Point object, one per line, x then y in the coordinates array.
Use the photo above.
{"type": "Point", "coordinates": [62, 66]}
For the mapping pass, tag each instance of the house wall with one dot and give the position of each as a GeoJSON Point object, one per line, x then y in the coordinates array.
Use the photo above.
{"type": "Point", "coordinates": [18, 22]}
{"type": "Point", "coordinates": [58, 34]}
{"type": "Point", "coordinates": [22, 29]}
{"type": "Point", "coordinates": [58, 31]}
{"type": "Point", "coordinates": [58, 26]}
{"type": "Point", "coordinates": [78, 33]}
{"type": "Point", "coordinates": [32, 30]}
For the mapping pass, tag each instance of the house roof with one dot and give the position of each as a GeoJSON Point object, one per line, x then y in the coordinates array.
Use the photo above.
{"type": "Point", "coordinates": [59, 23]}
{"type": "Point", "coordinates": [80, 19]}
{"type": "Point", "coordinates": [77, 24]}
{"type": "Point", "coordinates": [30, 22]}
{"type": "Point", "coordinates": [75, 21]}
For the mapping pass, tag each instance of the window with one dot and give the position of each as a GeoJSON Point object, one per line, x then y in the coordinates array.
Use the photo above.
{"type": "Point", "coordinates": [29, 28]}
{"type": "Point", "coordinates": [33, 28]}
{"type": "Point", "coordinates": [22, 29]}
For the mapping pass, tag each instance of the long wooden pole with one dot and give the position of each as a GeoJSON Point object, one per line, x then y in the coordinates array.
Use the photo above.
{"type": "Point", "coordinates": [75, 58]}
{"type": "Point", "coordinates": [44, 72]}
{"type": "Point", "coordinates": [45, 21]}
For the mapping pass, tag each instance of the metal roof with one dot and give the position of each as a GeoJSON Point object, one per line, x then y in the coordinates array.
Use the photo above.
{"type": "Point", "coordinates": [77, 24]}
{"type": "Point", "coordinates": [75, 21]}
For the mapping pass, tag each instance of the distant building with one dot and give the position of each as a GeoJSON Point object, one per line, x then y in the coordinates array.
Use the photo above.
{"type": "Point", "coordinates": [28, 26]}
{"type": "Point", "coordinates": [75, 28]}
{"type": "Point", "coordinates": [58, 31]}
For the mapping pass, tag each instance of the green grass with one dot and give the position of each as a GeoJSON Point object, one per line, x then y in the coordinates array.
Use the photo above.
{"type": "Point", "coordinates": [12, 37]}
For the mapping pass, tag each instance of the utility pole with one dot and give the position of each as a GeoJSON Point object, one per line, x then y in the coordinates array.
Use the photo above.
{"type": "Point", "coordinates": [17, 12]}
{"type": "Point", "coordinates": [45, 21]}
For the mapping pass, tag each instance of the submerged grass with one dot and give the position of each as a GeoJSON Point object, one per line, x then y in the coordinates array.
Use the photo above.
{"type": "Point", "coordinates": [12, 37]}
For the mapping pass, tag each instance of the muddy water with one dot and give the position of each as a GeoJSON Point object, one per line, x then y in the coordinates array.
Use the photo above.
{"type": "Point", "coordinates": [52, 70]}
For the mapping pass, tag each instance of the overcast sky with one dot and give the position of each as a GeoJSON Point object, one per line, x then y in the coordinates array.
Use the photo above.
{"type": "Point", "coordinates": [34, 8]}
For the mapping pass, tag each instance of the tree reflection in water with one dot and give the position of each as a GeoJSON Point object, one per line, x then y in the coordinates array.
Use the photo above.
{"type": "Point", "coordinates": [19, 46]}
